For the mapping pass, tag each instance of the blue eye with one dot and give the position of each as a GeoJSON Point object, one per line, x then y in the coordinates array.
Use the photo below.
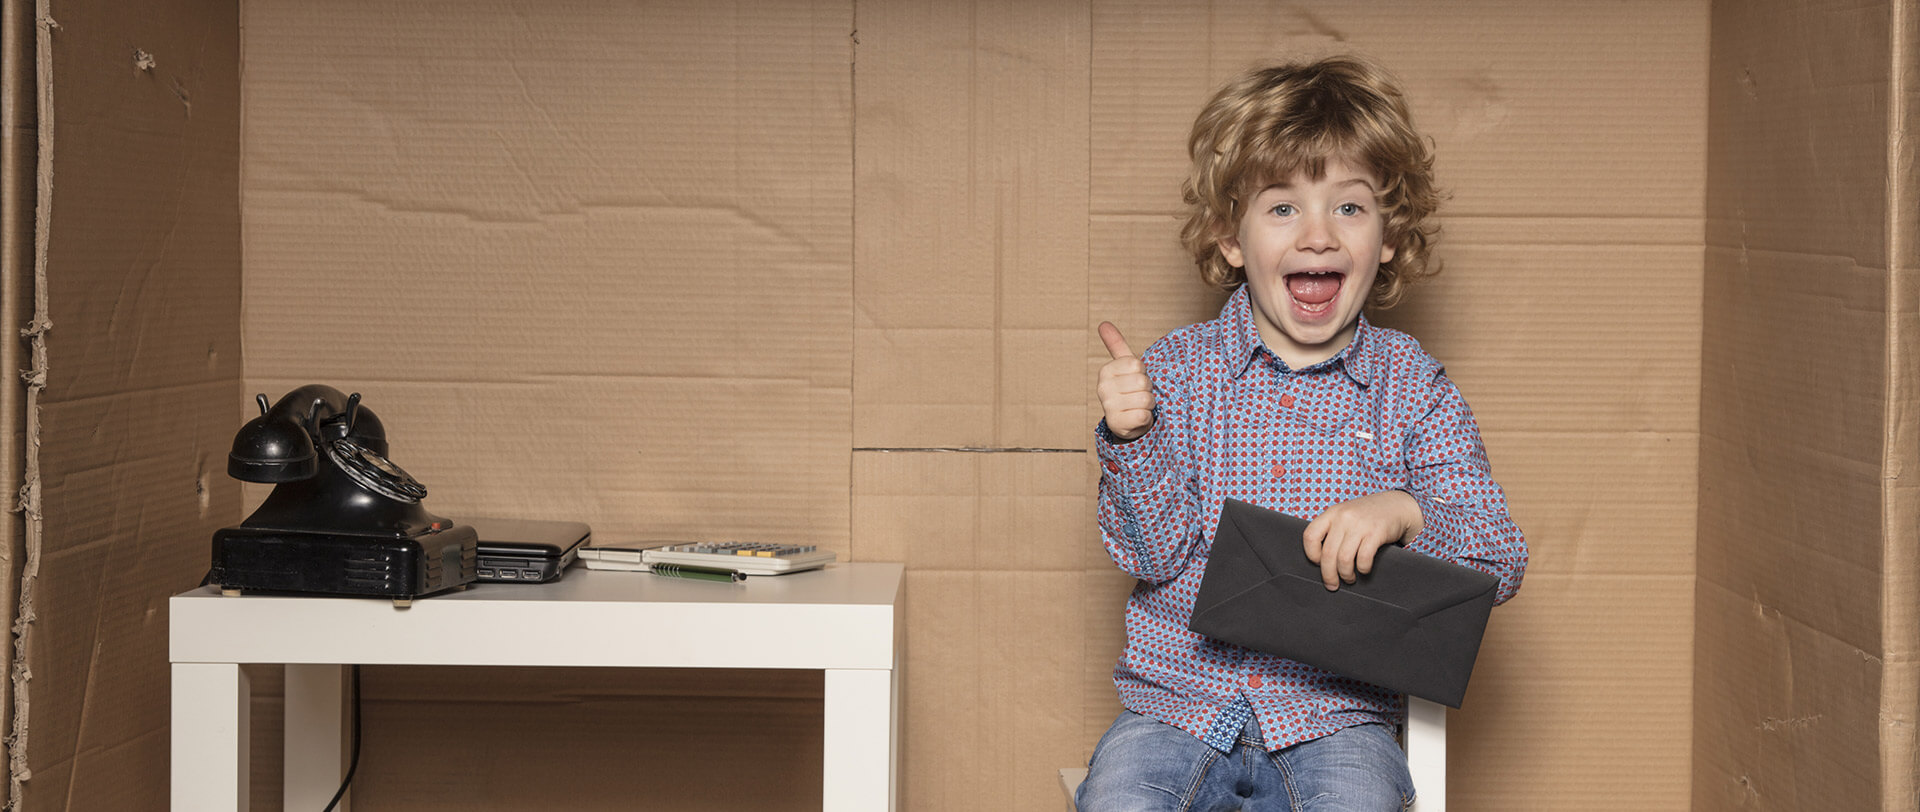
{"type": "Point", "coordinates": [1349, 209]}
{"type": "Point", "coordinates": [1283, 209]}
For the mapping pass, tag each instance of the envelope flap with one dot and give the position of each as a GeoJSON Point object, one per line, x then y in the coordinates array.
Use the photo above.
{"type": "Point", "coordinates": [1266, 533]}
{"type": "Point", "coordinates": [1242, 565]}
{"type": "Point", "coordinates": [1419, 583]}
{"type": "Point", "coordinates": [1423, 584]}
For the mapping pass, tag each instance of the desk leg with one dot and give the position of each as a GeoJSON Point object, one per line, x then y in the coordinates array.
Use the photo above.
{"type": "Point", "coordinates": [209, 737]}
{"type": "Point", "coordinates": [861, 739]}
{"type": "Point", "coordinates": [315, 740]}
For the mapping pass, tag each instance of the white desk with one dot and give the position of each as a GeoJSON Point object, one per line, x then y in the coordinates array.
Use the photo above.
{"type": "Point", "coordinates": [844, 620]}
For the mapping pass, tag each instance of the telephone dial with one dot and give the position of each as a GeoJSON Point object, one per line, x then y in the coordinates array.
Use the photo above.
{"type": "Point", "coordinates": [342, 519]}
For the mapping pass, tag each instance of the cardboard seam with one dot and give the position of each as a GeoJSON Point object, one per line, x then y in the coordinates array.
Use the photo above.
{"type": "Point", "coordinates": [1900, 614]}
{"type": "Point", "coordinates": [16, 39]}
{"type": "Point", "coordinates": [1001, 371]}
{"type": "Point", "coordinates": [968, 450]}
{"type": "Point", "coordinates": [581, 209]}
{"type": "Point", "coordinates": [532, 381]}
{"type": "Point", "coordinates": [853, 256]}
{"type": "Point", "coordinates": [160, 392]}
{"type": "Point", "coordinates": [28, 504]}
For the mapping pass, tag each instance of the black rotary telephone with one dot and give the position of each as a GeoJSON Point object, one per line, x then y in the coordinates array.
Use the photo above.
{"type": "Point", "coordinates": [342, 519]}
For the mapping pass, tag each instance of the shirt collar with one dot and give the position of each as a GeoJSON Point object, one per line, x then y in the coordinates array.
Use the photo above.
{"type": "Point", "coordinates": [1243, 345]}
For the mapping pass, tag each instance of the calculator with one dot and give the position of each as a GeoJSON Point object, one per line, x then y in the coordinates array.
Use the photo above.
{"type": "Point", "coordinates": [750, 557]}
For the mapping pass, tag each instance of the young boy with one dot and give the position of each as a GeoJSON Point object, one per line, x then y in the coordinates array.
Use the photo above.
{"type": "Point", "coordinates": [1308, 199]}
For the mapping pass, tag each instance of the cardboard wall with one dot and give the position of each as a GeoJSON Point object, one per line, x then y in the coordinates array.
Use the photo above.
{"type": "Point", "coordinates": [138, 253]}
{"type": "Point", "coordinates": [829, 272]}
{"type": "Point", "coordinates": [1804, 678]}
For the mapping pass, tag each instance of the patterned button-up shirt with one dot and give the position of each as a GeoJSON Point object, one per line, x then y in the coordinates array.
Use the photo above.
{"type": "Point", "coordinates": [1233, 420]}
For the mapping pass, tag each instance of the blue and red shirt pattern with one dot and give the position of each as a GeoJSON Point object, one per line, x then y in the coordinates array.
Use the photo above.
{"type": "Point", "coordinates": [1232, 420]}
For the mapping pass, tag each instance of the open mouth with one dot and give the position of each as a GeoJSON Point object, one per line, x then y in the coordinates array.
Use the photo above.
{"type": "Point", "coordinates": [1315, 291]}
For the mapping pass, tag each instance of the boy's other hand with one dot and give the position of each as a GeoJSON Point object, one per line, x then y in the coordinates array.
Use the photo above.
{"type": "Point", "coordinates": [1126, 393]}
{"type": "Point", "coordinates": [1344, 538]}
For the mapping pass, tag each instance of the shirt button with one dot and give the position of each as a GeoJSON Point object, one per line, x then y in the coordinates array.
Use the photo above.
{"type": "Point", "coordinates": [1113, 467]}
{"type": "Point", "coordinates": [1286, 401]}
{"type": "Point", "coordinates": [1279, 471]}
{"type": "Point", "coordinates": [1254, 681]}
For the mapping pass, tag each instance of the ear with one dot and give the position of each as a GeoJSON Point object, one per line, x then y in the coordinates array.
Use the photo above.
{"type": "Point", "coordinates": [1230, 250]}
{"type": "Point", "coordinates": [1387, 252]}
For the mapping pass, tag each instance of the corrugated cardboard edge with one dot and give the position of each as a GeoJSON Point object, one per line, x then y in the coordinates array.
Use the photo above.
{"type": "Point", "coordinates": [36, 375]}
{"type": "Point", "coordinates": [1900, 492]}
{"type": "Point", "coordinates": [17, 197]}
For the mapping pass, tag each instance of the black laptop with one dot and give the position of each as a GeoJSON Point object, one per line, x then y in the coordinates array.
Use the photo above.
{"type": "Point", "coordinates": [526, 551]}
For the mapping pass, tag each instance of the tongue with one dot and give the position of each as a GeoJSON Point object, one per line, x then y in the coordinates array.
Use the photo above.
{"type": "Point", "coordinates": [1313, 288]}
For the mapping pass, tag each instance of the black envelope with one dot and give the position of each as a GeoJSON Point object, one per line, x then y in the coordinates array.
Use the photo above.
{"type": "Point", "coordinates": [1413, 625]}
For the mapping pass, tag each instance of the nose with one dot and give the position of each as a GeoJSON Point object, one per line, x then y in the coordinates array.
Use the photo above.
{"type": "Point", "coordinates": [1316, 234]}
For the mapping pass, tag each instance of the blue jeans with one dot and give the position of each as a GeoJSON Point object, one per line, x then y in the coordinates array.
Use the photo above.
{"type": "Point", "coordinates": [1144, 764]}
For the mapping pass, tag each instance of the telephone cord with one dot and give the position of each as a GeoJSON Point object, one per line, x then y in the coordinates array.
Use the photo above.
{"type": "Point", "coordinates": [353, 762]}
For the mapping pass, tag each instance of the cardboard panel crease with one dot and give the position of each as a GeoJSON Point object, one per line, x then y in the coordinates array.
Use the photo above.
{"type": "Point", "coordinates": [19, 165]}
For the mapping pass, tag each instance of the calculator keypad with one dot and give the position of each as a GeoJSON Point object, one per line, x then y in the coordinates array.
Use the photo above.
{"type": "Point", "coordinates": [752, 557]}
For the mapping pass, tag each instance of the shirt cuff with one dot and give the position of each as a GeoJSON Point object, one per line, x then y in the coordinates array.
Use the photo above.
{"type": "Point", "coordinates": [1137, 465]}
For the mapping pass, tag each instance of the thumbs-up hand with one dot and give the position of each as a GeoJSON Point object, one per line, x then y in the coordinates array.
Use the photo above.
{"type": "Point", "coordinates": [1126, 393]}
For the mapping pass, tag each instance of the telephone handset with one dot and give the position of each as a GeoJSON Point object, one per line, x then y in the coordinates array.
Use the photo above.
{"type": "Point", "coordinates": [326, 454]}
{"type": "Point", "coordinates": [342, 518]}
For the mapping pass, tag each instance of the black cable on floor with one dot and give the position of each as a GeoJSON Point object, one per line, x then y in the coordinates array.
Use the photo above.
{"type": "Point", "coordinates": [353, 763]}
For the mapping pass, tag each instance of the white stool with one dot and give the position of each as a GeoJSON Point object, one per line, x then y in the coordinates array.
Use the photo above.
{"type": "Point", "coordinates": [1425, 740]}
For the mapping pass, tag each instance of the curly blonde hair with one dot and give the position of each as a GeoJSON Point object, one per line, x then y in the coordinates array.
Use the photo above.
{"type": "Point", "coordinates": [1275, 122]}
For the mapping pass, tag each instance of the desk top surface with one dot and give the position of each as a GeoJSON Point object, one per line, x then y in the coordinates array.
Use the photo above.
{"type": "Point", "coordinates": [841, 584]}
{"type": "Point", "coordinates": [840, 616]}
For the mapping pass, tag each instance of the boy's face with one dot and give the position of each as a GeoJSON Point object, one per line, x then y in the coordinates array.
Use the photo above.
{"type": "Point", "coordinates": [1311, 249]}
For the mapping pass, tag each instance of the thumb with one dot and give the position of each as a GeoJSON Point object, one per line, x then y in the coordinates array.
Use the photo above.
{"type": "Point", "coordinates": [1116, 343]}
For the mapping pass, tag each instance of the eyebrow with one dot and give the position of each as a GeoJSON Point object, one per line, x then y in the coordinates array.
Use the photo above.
{"type": "Point", "coordinates": [1354, 181]}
